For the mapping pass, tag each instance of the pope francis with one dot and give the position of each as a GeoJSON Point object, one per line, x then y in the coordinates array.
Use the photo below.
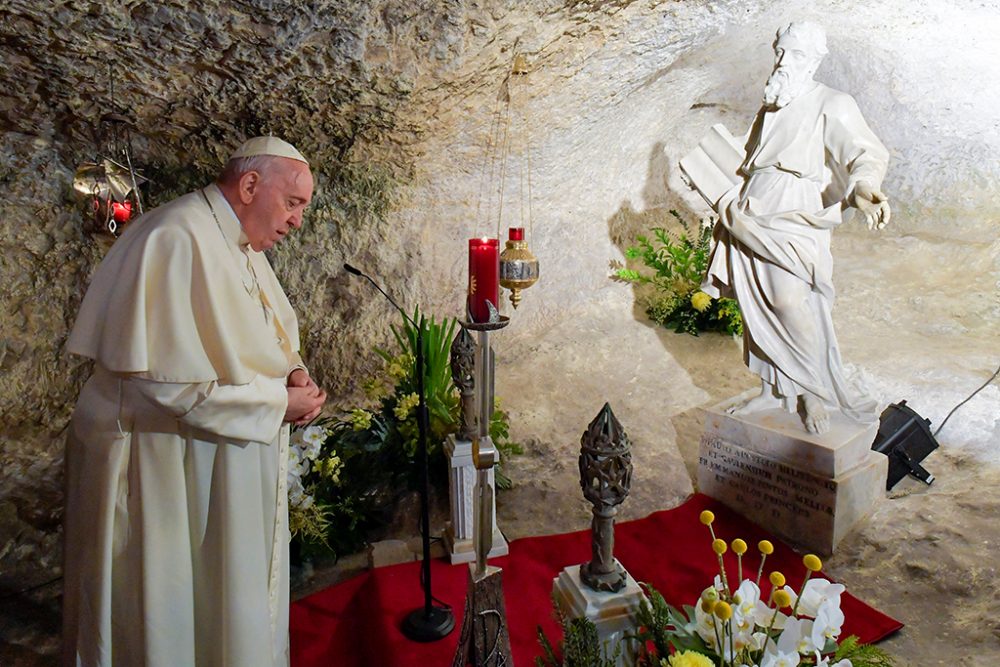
{"type": "Point", "coordinates": [176, 530]}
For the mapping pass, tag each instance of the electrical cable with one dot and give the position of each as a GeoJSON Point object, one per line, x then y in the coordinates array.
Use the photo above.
{"type": "Point", "coordinates": [992, 378]}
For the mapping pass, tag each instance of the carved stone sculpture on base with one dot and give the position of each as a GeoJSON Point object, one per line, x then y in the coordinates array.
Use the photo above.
{"type": "Point", "coordinates": [602, 590]}
{"type": "Point", "coordinates": [808, 159]}
{"type": "Point", "coordinates": [605, 477]}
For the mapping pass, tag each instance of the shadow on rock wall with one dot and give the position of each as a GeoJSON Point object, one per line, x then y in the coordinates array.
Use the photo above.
{"type": "Point", "coordinates": [713, 361]}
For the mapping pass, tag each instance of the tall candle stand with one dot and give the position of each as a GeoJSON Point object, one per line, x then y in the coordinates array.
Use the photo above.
{"type": "Point", "coordinates": [484, 639]}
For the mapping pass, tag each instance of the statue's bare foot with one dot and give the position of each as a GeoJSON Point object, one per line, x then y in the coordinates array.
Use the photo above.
{"type": "Point", "coordinates": [817, 419]}
{"type": "Point", "coordinates": [765, 400]}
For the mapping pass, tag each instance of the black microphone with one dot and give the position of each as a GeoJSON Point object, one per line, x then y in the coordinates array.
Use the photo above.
{"type": "Point", "coordinates": [357, 272]}
{"type": "Point", "coordinates": [428, 623]}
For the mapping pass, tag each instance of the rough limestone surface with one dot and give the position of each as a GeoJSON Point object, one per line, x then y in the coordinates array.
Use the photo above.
{"type": "Point", "coordinates": [397, 105]}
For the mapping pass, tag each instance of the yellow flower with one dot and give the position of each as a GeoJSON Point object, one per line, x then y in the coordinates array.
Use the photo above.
{"type": "Point", "coordinates": [707, 517]}
{"type": "Point", "coordinates": [812, 563]}
{"type": "Point", "coordinates": [361, 419]}
{"type": "Point", "coordinates": [374, 389]}
{"type": "Point", "coordinates": [723, 611]}
{"type": "Point", "coordinates": [700, 301]}
{"type": "Point", "coordinates": [690, 659]}
{"type": "Point", "coordinates": [405, 404]}
{"type": "Point", "coordinates": [739, 547]}
{"type": "Point", "coordinates": [765, 547]}
{"type": "Point", "coordinates": [330, 468]}
{"type": "Point", "coordinates": [719, 547]}
{"type": "Point", "coordinates": [781, 599]}
{"type": "Point", "coordinates": [777, 579]}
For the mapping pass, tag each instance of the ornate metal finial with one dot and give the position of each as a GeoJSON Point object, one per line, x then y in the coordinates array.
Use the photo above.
{"type": "Point", "coordinates": [605, 477]}
{"type": "Point", "coordinates": [463, 373]}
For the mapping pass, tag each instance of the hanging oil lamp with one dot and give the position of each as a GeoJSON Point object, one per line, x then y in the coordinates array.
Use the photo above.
{"type": "Point", "coordinates": [108, 187]}
{"type": "Point", "coordinates": [518, 266]}
{"type": "Point", "coordinates": [509, 157]}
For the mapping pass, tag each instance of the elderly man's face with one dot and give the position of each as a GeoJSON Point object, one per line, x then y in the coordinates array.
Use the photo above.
{"type": "Point", "coordinates": [279, 199]}
{"type": "Point", "coordinates": [794, 65]}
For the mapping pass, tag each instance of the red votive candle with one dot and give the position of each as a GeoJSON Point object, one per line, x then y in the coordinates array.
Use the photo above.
{"type": "Point", "coordinates": [484, 277]}
{"type": "Point", "coordinates": [515, 233]}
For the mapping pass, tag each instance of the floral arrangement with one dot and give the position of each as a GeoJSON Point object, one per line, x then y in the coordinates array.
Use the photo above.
{"type": "Point", "coordinates": [346, 472]}
{"type": "Point", "coordinates": [734, 623]}
{"type": "Point", "coordinates": [679, 262]}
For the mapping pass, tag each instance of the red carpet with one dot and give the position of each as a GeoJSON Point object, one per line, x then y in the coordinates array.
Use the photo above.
{"type": "Point", "coordinates": [356, 623]}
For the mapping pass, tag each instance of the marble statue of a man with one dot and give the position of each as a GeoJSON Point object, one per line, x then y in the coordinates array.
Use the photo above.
{"type": "Point", "coordinates": [809, 157]}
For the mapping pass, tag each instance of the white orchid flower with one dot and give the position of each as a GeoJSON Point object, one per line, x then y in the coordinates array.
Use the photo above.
{"type": "Point", "coordinates": [748, 595]}
{"type": "Point", "coordinates": [816, 592]}
{"type": "Point", "coordinates": [825, 662]}
{"type": "Point", "coordinates": [797, 637]}
{"type": "Point", "coordinates": [780, 659]}
{"type": "Point", "coordinates": [763, 615]}
{"type": "Point", "coordinates": [705, 626]}
{"type": "Point", "coordinates": [828, 623]}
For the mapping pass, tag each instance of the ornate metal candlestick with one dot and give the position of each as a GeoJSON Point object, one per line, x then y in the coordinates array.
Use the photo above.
{"type": "Point", "coordinates": [484, 640]}
{"type": "Point", "coordinates": [605, 476]}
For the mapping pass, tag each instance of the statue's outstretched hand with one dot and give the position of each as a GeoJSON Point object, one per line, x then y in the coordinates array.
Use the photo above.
{"type": "Point", "coordinates": [872, 204]}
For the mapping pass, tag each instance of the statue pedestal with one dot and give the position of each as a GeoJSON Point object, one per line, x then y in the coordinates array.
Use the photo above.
{"type": "Point", "coordinates": [612, 613]}
{"type": "Point", "coordinates": [458, 535]}
{"type": "Point", "coordinates": [810, 490]}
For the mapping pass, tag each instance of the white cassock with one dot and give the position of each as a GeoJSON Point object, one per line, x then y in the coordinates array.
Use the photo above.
{"type": "Point", "coordinates": [802, 160]}
{"type": "Point", "coordinates": [176, 529]}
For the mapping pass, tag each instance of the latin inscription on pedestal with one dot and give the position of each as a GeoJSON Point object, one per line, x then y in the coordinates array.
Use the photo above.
{"type": "Point", "coordinates": [807, 509]}
{"type": "Point", "coordinates": [772, 491]}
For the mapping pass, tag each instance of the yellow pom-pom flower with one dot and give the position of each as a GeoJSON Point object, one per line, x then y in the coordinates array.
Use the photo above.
{"type": "Point", "coordinates": [707, 517]}
{"type": "Point", "coordinates": [812, 563]}
{"type": "Point", "coordinates": [777, 579]}
{"type": "Point", "coordinates": [700, 301]}
{"type": "Point", "coordinates": [765, 547]}
{"type": "Point", "coordinates": [781, 599]}
{"type": "Point", "coordinates": [722, 610]}
{"type": "Point", "coordinates": [739, 547]}
{"type": "Point", "coordinates": [719, 547]}
{"type": "Point", "coordinates": [689, 659]}
{"type": "Point", "coordinates": [707, 606]}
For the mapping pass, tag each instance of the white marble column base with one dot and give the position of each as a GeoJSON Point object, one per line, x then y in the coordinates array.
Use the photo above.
{"type": "Point", "coordinates": [612, 613]}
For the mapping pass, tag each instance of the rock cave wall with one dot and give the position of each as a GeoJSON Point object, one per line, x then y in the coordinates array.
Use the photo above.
{"type": "Point", "coordinates": [394, 102]}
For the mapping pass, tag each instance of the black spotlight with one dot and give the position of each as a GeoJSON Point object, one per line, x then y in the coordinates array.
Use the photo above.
{"type": "Point", "coordinates": [905, 437]}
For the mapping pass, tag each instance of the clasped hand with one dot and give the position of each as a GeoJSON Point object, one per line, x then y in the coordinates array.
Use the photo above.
{"type": "Point", "coordinates": [305, 398]}
{"type": "Point", "coordinates": [872, 204]}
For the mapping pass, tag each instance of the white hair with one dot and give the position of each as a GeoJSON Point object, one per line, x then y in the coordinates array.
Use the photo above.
{"type": "Point", "coordinates": [235, 168]}
{"type": "Point", "coordinates": [808, 33]}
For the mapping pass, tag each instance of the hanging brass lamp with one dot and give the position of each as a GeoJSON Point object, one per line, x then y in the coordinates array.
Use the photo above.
{"type": "Point", "coordinates": [509, 158]}
{"type": "Point", "coordinates": [518, 265]}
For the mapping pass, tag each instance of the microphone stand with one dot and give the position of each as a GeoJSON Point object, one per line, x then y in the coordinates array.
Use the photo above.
{"type": "Point", "coordinates": [427, 623]}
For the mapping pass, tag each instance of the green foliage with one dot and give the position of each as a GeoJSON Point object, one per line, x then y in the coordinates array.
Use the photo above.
{"type": "Point", "coordinates": [367, 456]}
{"type": "Point", "coordinates": [579, 646]}
{"type": "Point", "coordinates": [863, 655]}
{"type": "Point", "coordinates": [679, 262]}
{"type": "Point", "coordinates": [663, 626]}
{"type": "Point", "coordinates": [439, 389]}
